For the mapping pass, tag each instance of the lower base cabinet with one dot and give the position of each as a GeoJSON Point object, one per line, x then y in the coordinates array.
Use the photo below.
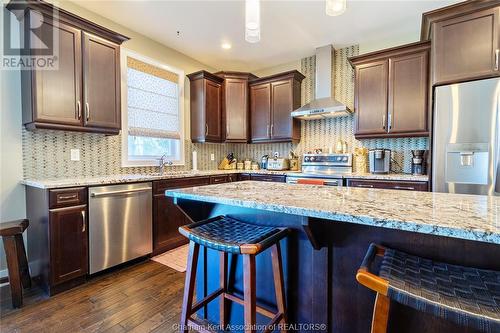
{"type": "Point", "coordinates": [57, 238]}
{"type": "Point", "coordinates": [262, 177]}
{"type": "Point", "coordinates": [389, 185]}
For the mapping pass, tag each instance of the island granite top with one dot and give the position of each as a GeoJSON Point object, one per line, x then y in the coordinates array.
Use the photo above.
{"type": "Point", "coordinates": [471, 217]}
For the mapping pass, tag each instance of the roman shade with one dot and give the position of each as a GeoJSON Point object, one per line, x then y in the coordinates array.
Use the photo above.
{"type": "Point", "coordinates": [153, 101]}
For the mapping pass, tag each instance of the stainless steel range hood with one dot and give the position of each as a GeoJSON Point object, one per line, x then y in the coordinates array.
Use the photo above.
{"type": "Point", "coordinates": [324, 105]}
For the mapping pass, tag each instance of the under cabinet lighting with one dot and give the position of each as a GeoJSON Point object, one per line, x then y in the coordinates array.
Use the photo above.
{"type": "Point", "coordinates": [335, 7]}
{"type": "Point", "coordinates": [252, 21]}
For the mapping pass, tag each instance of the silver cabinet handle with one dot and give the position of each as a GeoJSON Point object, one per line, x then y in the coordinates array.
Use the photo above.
{"type": "Point", "coordinates": [364, 185]}
{"type": "Point", "coordinates": [272, 128]}
{"type": "Point", "coordinates": [389, 121]}
{"type": "Point", "coordinates": [87, 111]}
{"type": "Point", "coordinates": [83, 221]}
{"type": "Point", "coordinates": [383, 121]}
{"type": "Point", "coordinates": [206, 129]}
{"type": "Point", "coordinates": [79, 109]}
{"type": "Point", "coordinates": [331, 183]}
{"type": "Point", "coordinates": [397, 187]}
{"type": "Point", "coordinates": [267, 130]}
{"type": "Point", "coordinates": [101, 194]}
{"type": "Point", "coordinates": [496, 59]}
{"type": "Point", "coordinates": [68, 197]}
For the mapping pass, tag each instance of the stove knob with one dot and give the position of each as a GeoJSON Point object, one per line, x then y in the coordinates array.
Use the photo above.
{"type": "Point", "coordinates": [312, 158]}
{"type": "Point", "coordinates": [344, 159]}
{"type": "Point", "coordinates": [339, 159]}
{"type": "Point", "coordinates": [306, 159]}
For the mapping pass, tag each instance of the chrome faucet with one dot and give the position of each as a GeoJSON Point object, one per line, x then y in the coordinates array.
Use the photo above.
{"type": "Point", "coordinates": [163, 161]}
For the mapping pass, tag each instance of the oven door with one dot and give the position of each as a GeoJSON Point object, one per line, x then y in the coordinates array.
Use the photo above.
{"type": "Point", "coordinates": [315, 181]}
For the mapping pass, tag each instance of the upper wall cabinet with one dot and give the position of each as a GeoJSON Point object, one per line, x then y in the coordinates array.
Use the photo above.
{"type": "Point", "coordinates": [465, 41]}
{"type": "Point", "coordinates": [235, 106]}
{"type": "Point", "coordinates": [83, 92]}
{"type": "Point", "coordinates": [272, 99]}
{"type": "Point", "coordinates": [391, 92]}
{"type": "Point", "coordinates": [206, 107]}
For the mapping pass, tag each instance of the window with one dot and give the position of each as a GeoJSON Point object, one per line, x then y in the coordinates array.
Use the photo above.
{"type": "Point", "coordinates": [152, 112]}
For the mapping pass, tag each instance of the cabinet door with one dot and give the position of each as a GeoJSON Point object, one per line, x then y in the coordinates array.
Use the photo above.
{"type": "Point", "coordinates": [167, 218]}
{"type": "Point", "coordinates": [281, 106]}
{"type": "Point", "coordinates": [101, 79]}
{"type": "Point", "coordinates": [236, 109]}
{"type": "Point", "coordinates": [213, 111]}
{"type": "Point", "coordinates": [260, 111]}
{"type": "Point", "coordinates": [371, 98]}
{"type": "Point", "coordinates": [68, 243]}
{"type": "Point", "coordinates": [57, 93]}
{"type": "Point", "coordinates": [466, 47]}
{"type": "Point", "coordinates": [408, 87]}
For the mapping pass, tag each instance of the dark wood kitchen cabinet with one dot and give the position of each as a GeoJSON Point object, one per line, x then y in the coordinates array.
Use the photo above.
{"type": "Point", "coordinates": [391, 92]}
{"type": "Point", "coordinates": [389, 184]}
{"type": "Point", "coordinates": [272, 99]}
{"type": "Point", "coordinates": [57, 237]}
{"type": "Point", "coordinates": [235, 106]}
{"type": "Point", "coordinates": [465, 41]}
{"type": "Point", "coordinates": [101, 77]}
{"type": "Point", "coordinates": [167, 217]}
{"type": "Point", "coordinates": [82, 91]}
{"type": "Point", "coordinates": [206, 107]}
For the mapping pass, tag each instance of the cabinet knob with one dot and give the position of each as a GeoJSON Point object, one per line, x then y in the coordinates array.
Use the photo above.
{"type": "Point", "coordinates": [83, 221]}
{"type": "Point", "coordinates": [383, 121]}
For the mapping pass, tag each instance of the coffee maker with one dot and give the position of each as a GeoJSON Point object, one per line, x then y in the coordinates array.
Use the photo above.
{"type": "Point", "coordinates": [380, 160]}
{"type": "Point", "coordinates": [418, 162]}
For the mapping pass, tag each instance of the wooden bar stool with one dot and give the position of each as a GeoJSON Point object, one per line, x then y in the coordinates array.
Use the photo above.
{"type": "Point", "coordinates": [17, 264]}
{"type": "Point", "coordinates": [468, 296]}
{"type": "Point", "coordinates": [229, 235]}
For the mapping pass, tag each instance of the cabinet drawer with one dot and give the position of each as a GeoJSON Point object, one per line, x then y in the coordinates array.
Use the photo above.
{"type": "Point", "coordinates": [219, 179]}
{"type": "Point", "coordinates": [161, 185]}
{"type": "Point", "coordinates": [390, 185]}
{"type": "Point", "coordinates": [67, 197]}
{"type": "Point", "coordinates": [268, 178]}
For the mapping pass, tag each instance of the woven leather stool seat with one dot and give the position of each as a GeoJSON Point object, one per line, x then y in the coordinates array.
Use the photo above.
{"type": "Point", "coordinates": [467, 296]}
{"type": "Point", "coordinates": [230, 235]}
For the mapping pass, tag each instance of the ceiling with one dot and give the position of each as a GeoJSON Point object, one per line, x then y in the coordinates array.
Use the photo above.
{"type": "Point", "coordinates": [290, 30]}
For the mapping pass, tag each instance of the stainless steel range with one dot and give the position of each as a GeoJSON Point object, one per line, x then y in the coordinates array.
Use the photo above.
{"type": "Point", "coordinates": [322, 169]}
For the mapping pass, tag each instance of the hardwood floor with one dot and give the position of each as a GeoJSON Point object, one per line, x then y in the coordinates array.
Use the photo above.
{"type": "Point", "coordinates": [143, 298]}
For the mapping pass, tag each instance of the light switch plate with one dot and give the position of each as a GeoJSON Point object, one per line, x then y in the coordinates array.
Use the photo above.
{"type": "Point", "coordinates": [75, 154]}
{"type": "Point", "coordinates": [212, 157]}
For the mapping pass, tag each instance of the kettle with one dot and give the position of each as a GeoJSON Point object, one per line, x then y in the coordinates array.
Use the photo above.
{"type": "Point", "coordinates": [263, 162]}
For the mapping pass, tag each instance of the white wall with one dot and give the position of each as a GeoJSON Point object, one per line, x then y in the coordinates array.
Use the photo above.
{"type": "Point", "coordinates": [12, 203]}
{"type": "Point", "coordinates": [278, 69]}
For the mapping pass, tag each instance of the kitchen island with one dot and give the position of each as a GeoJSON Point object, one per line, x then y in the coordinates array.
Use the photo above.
{"type": "Point", "coordinates": [331, 231]}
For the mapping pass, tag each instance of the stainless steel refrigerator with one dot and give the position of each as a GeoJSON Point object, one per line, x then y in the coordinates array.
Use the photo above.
{"type": "Point", "coordinates": [466, 153]}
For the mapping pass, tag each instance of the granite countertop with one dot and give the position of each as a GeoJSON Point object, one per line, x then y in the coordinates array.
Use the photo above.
{"type": "Point", "coordinates": [471, 217]}
{"type": "Point", "coordinates": [48, 183]}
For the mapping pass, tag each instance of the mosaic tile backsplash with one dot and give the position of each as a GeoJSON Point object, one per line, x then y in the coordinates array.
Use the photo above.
{"type": "Point", "coordinates": [46, 153]}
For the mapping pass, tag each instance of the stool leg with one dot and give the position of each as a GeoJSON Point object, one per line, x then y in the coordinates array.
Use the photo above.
{"type": "Point", "coordinates": [223, 285]}
{"type": "Point", "coordinates": [187, 302]}
{"type": "Point", "coordinates": [250, 303]}
{"type": "Point", "coordinates": [279, 285]}
{"type": "Point", "coordinates": [23, 262]}
{"type": "Point", "coordinates": [9, 244]}
{"type": "Point", "coordinates": [380, 314]}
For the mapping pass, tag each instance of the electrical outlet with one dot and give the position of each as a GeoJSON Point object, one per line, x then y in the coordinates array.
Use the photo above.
{"type": "Point", "coordinates": [212, 157]}
{"type": "Point", "coordinates": [75, 154]}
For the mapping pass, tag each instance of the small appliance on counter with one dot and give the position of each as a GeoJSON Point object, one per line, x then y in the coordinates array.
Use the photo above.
{"type": "Point", "coordinates": [278, 163]}
{"type": "Point", "coordinates": [418, 162]}
{"type": "Point", "coordinates": [380, 160]}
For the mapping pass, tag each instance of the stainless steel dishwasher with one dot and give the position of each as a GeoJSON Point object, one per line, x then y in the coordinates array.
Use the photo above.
{"type": "Point", "coordinates": [120, 224]}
